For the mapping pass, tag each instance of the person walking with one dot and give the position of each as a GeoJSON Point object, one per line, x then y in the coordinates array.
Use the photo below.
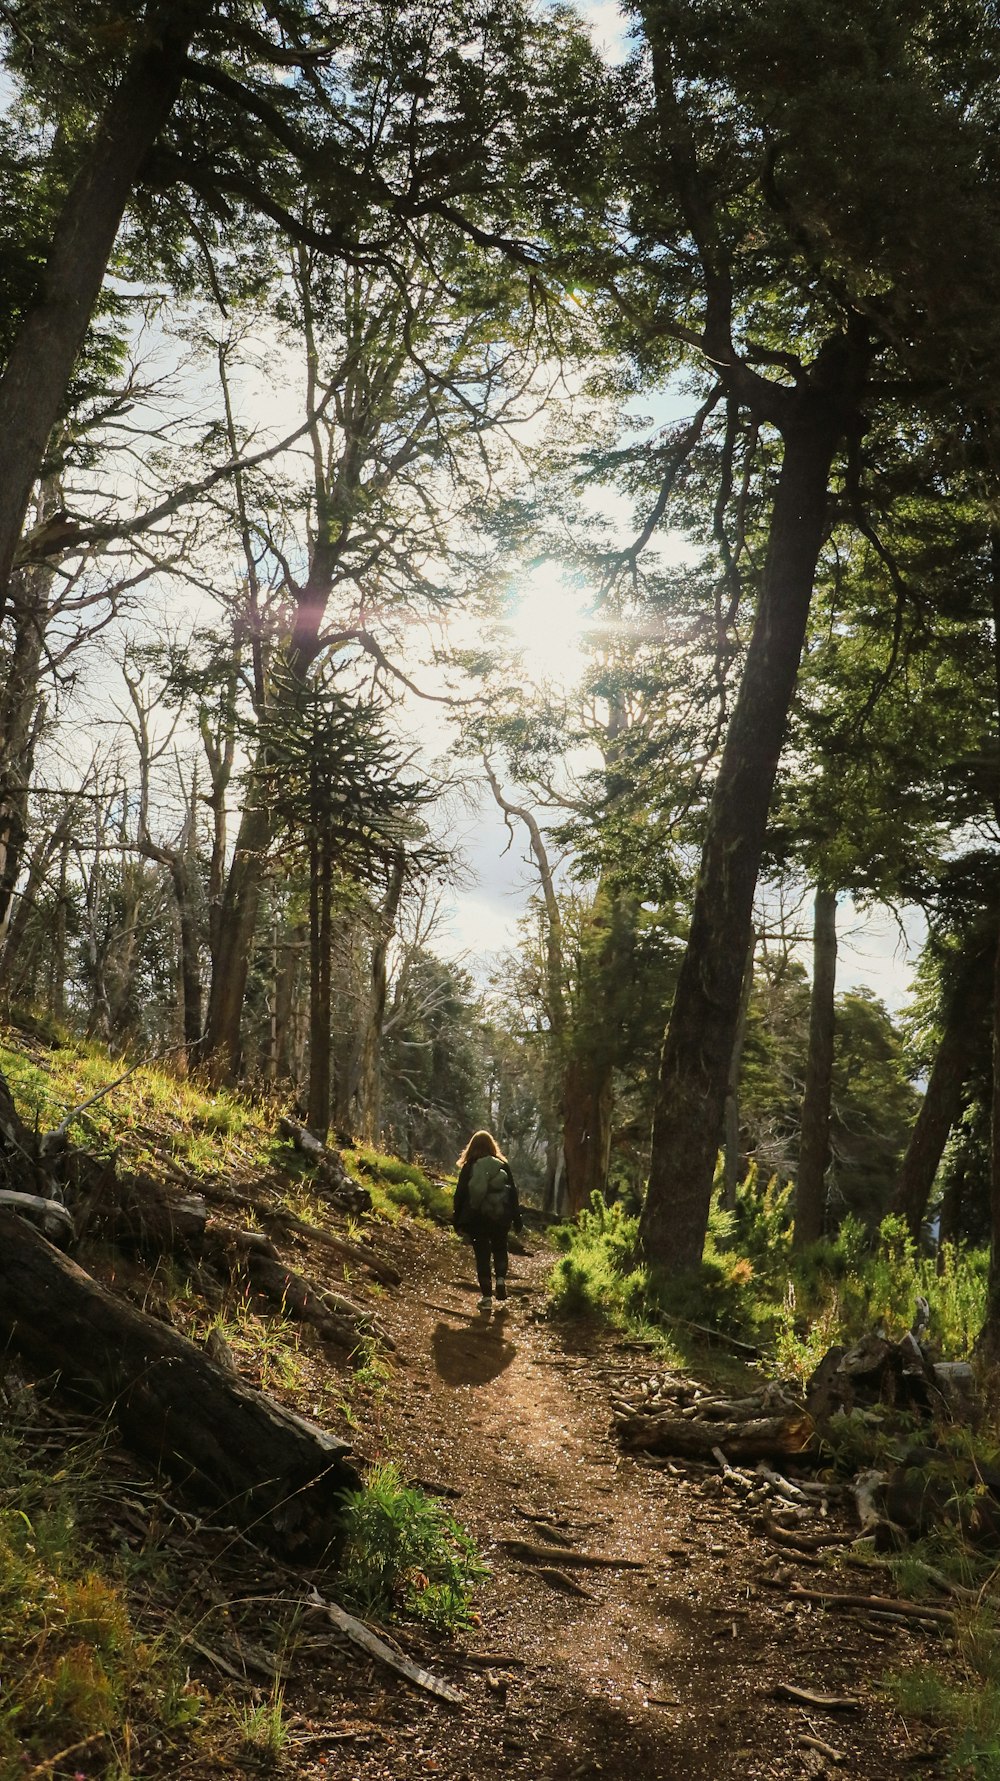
{"type": "Point", "coordinates": [486, 1207]}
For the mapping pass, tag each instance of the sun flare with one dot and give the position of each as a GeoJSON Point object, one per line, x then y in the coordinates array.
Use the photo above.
{"type": "Point", "coordinates": [548, 619]}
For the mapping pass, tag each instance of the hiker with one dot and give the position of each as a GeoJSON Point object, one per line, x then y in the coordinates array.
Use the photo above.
{"type": "Point", "coordinates": [486, 1206]}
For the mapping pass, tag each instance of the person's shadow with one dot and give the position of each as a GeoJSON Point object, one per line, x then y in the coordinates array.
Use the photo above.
{"type": "Point", "coordinates": [472, 1354]}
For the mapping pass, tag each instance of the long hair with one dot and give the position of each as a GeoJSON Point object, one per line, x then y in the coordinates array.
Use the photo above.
{"type": "Point", "coordinates": [480, 1144]}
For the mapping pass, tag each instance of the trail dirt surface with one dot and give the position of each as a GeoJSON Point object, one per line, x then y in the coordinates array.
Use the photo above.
{"type": "Point", "coordinates": [671, 1670]}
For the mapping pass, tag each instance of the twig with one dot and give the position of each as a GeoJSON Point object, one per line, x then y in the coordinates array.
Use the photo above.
{"type": "Point", "coordinates": [807, 1697]}
{"type": "Point", "coordinates": [827, 1750]}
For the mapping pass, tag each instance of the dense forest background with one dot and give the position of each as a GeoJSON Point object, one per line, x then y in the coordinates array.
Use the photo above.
{"type": "Point", "coordinates": [356, 358]}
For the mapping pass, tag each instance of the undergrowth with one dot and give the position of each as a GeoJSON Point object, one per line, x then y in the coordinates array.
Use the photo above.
{"type": "Point", "coordinates": [78, 1675]}
{"type": "Point", "coordinates": [397, 1186]}
{"type": "Point", "coordinates": [405, 1554]}
{"type": "Point", "coordinates": [752, 1288]}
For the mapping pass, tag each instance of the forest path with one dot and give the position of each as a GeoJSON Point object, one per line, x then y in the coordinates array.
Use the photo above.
{"type": "Point", "coordinates": [665, 1672]}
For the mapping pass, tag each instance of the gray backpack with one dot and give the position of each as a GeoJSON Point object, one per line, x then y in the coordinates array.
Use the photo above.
{"type": "Point", "coordinates": [489, 1191]}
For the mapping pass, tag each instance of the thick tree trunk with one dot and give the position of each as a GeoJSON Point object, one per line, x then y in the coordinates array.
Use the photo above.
{"type": "Point", "coordinates": [942, 1105]}
{"type": "Point", "coordinates": [220, 1047]}
{"type": "Point", "coordinates": [232, 1447]}
{"type": "Point", "coordinates": [690, 1102]}
{"type": "Point", "coordinates": [814, 1142]}
{"type": "Point", "coordinates": [41, 360]}
{"type": "Point", "coordinates": [588, 1100]}
{"type": "Point", "coordinates": [731, 1133]}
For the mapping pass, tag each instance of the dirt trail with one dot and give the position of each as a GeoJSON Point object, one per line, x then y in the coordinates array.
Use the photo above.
{"type": "Point", "coordinates": [668, 1671]}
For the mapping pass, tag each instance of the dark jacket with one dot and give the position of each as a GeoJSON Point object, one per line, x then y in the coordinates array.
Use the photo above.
{"type": "Point", "coordinates": [467, 1221]}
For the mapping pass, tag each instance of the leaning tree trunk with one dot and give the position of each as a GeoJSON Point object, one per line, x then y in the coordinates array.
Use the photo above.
{"type": "Point", "coordinates": [814, 1143]}
{"type": "Point", "coordinates": [694, 1067]}
{"type": "Point", "coordinates": [231, 1446]}
{"type": "Point", "coordinates": [967, 1012]}
{"type": "Point", "coordinates": [45, 349]}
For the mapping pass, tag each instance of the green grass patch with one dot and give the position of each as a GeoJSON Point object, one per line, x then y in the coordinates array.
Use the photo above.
{"type": "Point", "coordinates": [151, 1116]}
{"type": "Point", "coordinates": [396, 1186]}
{"type": "Point", "coordinates": [405, 1554]}
{"type": "Point", "coordinates": [76, 1670]}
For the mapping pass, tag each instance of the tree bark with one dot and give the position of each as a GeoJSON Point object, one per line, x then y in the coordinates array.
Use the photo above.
{"type": "Point", "coordinates": [731, 1134]}
{"type": "Point", "coordinates": [588, 1100]}
{"type": "Point", "coordinates": [966, 1012]}
{"type": "Point", "coordinates": [220, 1047]}
{"type": "Point", "coordinates": [41, 360]}
{"type": "Point", "coordinates": [320, 896]}
{"type": "Point", "coordinates": [690, 1100]}
{"type": "Point", "coordinates": [814, 1141]}
{"type": "Point", "coordinates": [231, 1446]}
{"type": "Point", "coordinates": [369, 1083]}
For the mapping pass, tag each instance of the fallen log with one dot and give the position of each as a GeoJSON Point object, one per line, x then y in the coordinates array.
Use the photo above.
{"type": "Point", "coordinates": [349, 1252]}
{"type": "Point", "coordinates": [875, 1604]}
{"type": "Point", "coordinates": [231, 1446]}
{"type": "Point", "coordinates": [335, 1317]}
{"type": "Point", "coordinates": [51, 1216]}
{"type": "Point", "coordinates": [758, 1438]}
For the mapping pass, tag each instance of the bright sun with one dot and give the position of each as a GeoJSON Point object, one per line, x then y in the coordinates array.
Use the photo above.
{"type": "Point", "coordinates": [547, 618]}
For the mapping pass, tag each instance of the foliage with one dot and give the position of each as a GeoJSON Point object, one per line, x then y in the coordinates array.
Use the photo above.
{"type": "Point", "coordinates": [395, 1184]}
{"type": "Point", "coordinates": [76, 1668]}
{"type": "Point", "coordinates": [751, 1287]}
{"type": "Point", "coordinates": [153, 1118]}
{"type": "Point", "coordinates": [405, 1554]}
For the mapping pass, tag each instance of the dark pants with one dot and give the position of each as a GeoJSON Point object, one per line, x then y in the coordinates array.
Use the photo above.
{"type": "Point", "coordinates": [489, 1246]}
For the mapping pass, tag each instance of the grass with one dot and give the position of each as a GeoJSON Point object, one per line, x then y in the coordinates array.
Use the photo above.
{"type": "Point", "coordinates": [155, 1119]}
{"type": "Point", "coordinates": [396, 1186]}
{"type": "Point", "coordinates": [405, 1554]}
{"type": "Point", "coordinates": [78, 1674]}
{"type": "Point", "coordinates": [752, 1288]}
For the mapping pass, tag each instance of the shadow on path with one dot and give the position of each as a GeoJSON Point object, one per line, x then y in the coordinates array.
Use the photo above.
{"type": "Point", "coordinates": [473, 1354]}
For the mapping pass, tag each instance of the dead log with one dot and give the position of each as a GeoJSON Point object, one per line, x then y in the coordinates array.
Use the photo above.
{"type": "Point", "coordinates": [352, 1253]}
{"type": "Point", "coordinates": [139, 1216]}
{"type": "Point", "coordinates": [757, 1438]}
{"type": "Point", "coordinates": [51, 1216]}
{"type": "Point", "coordinates": [334, 1316]}
{"type": "Point", "coordinates": [331, 1175]}
{"type": "Point", "coordinates": [231, 1446]}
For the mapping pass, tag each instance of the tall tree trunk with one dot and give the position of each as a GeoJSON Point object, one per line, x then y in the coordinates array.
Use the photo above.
{"type": "Point", "coordinates": [42, 357]}
{"type": "Point", "coordinates": [588, 1100]}
{"type": "Point", "coordinates": [731, 1134]}
{"type": "Point", "coordinates": [190, 950]}
{"type": "Point", "coordinates": [320, 923]}
{"type": "Point", "coordinates": [691, 1093]}
{"type": "Point", "coordinates": [369, 1084]}
{"type": "Point", "coordinates": [967, 1009]}
{"type": "Point", "coordinates": [220, 1048]}
{"type": "Point", "coordinates": [989, 1337]}
{"type": "Point", "coordinates": [814, 1142]}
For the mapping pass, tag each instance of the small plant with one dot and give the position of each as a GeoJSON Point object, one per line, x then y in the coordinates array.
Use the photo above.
{"type": "Point", "coordinates": [372, 1371]}
{"type": "Point", "coordinates": [405, 1553]}
{"type": "Point", "coordinates": [263, 1723]}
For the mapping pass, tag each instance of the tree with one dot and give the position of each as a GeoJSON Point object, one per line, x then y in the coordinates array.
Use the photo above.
{"type": "Point", "coordinates": [765, 213]}
{"type": "Point", "coordinates": [332, 778]}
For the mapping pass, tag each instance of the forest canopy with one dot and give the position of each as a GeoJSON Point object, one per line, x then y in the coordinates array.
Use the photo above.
{"type": "Point", "coordinates": [422, 425]}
